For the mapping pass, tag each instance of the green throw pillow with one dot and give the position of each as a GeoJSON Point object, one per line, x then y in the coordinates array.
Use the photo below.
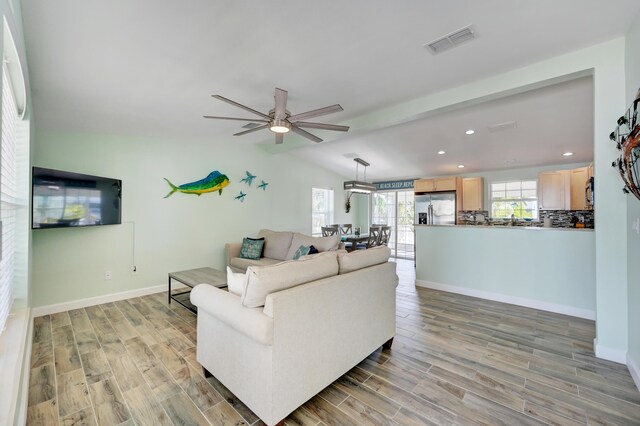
{"type": "Point", "coordinates": [252, 248]}
{"type": "Point", "coordinates": [302, 251]}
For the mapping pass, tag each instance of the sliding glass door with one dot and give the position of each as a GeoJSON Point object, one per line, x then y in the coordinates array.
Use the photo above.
{"type": "Point", "coordinates": [396, 209]}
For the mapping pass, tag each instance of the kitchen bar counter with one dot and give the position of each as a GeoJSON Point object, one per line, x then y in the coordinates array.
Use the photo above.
{"type": "Point", "coordinates": [536, 228]}
{"type": "Point", "coordinates": [544, 268]}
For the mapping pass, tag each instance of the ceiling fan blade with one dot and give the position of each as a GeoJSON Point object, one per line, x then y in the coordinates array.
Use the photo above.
{"type": "Point", "coordinates": [279, 138]}
{"type": "Point", "coordinates": [323, 126]}
{"type": "Point", "coordinates": [305, 134]}
{"type": "Point", "coordinates": [281, 104]}
{"type": "Point", "coordinates": [315, 113]}
{"type": "Point", "coordinates": [257, 120]}
{"type": "Point", "coordinates": [246, 108]}
{"type": "Point", "coordinates": [251, 130]}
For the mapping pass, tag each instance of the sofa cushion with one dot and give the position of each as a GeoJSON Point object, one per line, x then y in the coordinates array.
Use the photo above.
{"type": "Point", "coordinates": [235, 281]}
{"type": "Point", "coordinates": [252, 248]}
{"type": "Point", "coordinates": [302, 251]}
{"type": "Point", "coordinates": [240, 263]}
{"type": "Point", "coordinates": [276, 244]}
{"type": "Point", "coordinates": [320, 243]}
{"type": "Point", "coordinates": [349, 262]}
{"type": "Point", "coordinates": [262, 281]}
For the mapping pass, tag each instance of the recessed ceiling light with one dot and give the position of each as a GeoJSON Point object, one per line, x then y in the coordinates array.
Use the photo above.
{"type": "Point", "coordinates": [441, 152]}
{"type": "Point", "coordinates": [470, 132]}
{"type": "Point", "coordinates": [568, 154]}
{"type": "Point", "coordinates": [461, 166]}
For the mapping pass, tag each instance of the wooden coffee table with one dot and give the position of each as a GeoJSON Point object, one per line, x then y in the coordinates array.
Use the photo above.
{"type": "Point", "coordinates": [193, 277]}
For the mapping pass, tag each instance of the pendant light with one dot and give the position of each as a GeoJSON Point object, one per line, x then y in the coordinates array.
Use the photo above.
{"type": "Point", "coordinates": [362, 187]}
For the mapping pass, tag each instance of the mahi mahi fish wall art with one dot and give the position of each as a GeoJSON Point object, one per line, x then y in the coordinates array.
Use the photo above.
{"type": "Point", "coordinates": [214, 182]}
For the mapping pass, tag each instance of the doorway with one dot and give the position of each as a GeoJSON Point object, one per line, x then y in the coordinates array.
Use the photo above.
{"type": "Point", "coordinates": [396, 209]}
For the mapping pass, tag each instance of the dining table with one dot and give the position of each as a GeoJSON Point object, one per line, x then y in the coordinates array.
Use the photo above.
{"type": "Point", "coordinates": [354, 240]}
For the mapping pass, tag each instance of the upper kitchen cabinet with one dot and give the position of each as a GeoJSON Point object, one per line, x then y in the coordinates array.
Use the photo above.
{"type": "Point", "coordinates": [473, 193]}
{"type": "Point", "coordinates": [446, 184]}
{"type": "Point", "coordinates": [424, 185]}
{"type": "Point", "coordinates": [553, 190]}
{"type": "Point", "coordinates": [579, 178]}
{"type": "Point", "coordinates": [435, 185]}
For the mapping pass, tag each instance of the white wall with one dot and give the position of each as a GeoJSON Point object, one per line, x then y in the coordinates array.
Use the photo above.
{"type": "Point", "coordinates": [511, 264]}
{"type": "Point", "coordinates": [176, 233]}
{"type": "Point", "coordinates": [632, 58]}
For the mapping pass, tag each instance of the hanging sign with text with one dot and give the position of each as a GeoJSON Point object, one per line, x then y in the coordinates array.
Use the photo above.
{"type": "Point", "coordinates": [395, 185]}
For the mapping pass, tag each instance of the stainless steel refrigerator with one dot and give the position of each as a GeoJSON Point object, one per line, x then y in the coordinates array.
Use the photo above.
{"type": "Point", "coordinates": [436, 208]}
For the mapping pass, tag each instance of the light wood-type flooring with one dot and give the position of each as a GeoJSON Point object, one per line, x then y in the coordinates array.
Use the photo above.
{"type": "Point", "coordinates": [455, 360]}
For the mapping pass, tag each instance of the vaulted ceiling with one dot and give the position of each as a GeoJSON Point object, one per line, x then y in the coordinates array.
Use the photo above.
{"type": "Point", "coordinates": [149, 67]}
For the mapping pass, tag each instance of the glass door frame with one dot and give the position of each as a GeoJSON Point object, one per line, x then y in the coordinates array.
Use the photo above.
{"type": "Point", "coordinates": [395, 225]}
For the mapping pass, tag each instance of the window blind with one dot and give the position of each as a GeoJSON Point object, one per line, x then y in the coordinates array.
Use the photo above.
{"type": "Point", "coordinates": [8, 196]}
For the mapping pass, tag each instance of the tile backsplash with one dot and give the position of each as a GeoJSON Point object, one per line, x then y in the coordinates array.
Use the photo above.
{"type": "Point", "coordinates": [562, 218]}
{"type": "Point", "coordinates": [559, 218]}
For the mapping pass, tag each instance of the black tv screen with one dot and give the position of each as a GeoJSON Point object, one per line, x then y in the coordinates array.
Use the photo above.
{"type": "Point", "coordinates": [65, 199]}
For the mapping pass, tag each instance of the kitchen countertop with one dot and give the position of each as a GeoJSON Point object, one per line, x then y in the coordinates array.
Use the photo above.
{"type": "Point", "coordinates": [535, 228]}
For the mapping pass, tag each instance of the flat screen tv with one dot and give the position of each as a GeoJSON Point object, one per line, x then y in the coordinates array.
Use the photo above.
{"type": "Point", "coordinates": [65, 199]}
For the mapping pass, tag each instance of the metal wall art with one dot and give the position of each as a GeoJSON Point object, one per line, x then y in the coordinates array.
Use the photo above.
{"type": "Point", "coordinates": [627, 139]}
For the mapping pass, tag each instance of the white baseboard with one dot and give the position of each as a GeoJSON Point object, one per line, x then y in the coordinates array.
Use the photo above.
{"type": "Point", "coordinates": [634, 370]}
{"type": "Point", "coordinates": [91, 301]}
{"type": "Point", "coordinates": [610, 354]}
{"type": "Point", "coordinates": [520, 301]}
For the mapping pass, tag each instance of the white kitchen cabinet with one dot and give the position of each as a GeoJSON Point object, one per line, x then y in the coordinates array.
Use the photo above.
{"type": "Point", "coordinates": [473, 193]}
{"type": "Point", "coordinates": [554, 190]}
{"type": "Point", "coordinates": [579, 178]}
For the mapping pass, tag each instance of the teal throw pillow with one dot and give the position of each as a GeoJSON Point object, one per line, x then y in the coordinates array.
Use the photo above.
{"type": "Point", "coordinates": [302, 251]}
{"type": "Point", "coordinates": [252, 248]}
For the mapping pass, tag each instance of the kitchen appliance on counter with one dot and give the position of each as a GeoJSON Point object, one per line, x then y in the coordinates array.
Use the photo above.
{"type": "Point", "coordinates": [588, 192]}
{"type": "Point", "coordinates": [438, 208]}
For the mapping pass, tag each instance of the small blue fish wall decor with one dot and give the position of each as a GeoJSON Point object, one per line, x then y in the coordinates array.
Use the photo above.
{"type": "Point", "coordinates": [249, 178]}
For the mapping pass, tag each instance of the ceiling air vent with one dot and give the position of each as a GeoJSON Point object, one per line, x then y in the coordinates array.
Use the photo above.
{"type": "Point", "coordinates": [501, 127]}
{"type": "Point", "coordinates": [451, 40]}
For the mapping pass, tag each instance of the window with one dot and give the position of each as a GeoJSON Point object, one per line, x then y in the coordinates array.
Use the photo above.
{"type": "Point", "coordinates": [8, 196]}
{"type": "Point", "coordinates": [518, 198]}
{"type": "Point", "coordinates": [321, 209]}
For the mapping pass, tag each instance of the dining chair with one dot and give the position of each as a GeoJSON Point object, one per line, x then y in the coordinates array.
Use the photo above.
{"type": "Point", "coordinates": [328, 231]}
{"type": "Point", "coordinates": [346, 228]}
{"type": "Point", "coordinates": [385, 235]}
{"type": "Point", "coordinates": [374, 237]}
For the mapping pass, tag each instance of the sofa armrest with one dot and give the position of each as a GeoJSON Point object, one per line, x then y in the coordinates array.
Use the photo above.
{"type": "Point", "coordinates": [226, 307]}
{"type": "Point", "coordinates": [233, 250]}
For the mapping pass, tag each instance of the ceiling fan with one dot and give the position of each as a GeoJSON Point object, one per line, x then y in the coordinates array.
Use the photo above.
{"type": "Point", "coordinates": [280, 121]}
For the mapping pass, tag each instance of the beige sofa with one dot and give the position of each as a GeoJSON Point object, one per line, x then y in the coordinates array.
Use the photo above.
{"type": "Point", "coordinates": [279, 246]}
{"type": "Point", "coordinates": [276, 357]}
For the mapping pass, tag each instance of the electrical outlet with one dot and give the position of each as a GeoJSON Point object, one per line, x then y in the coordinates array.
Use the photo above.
{"type": "Point", "coordinates": [107, 275]}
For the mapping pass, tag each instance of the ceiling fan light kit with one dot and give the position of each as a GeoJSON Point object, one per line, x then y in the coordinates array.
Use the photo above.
{"type": "Point", "coordinates": [280, 121]}
{"type": "Point", "coordinates": [279, 126]}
